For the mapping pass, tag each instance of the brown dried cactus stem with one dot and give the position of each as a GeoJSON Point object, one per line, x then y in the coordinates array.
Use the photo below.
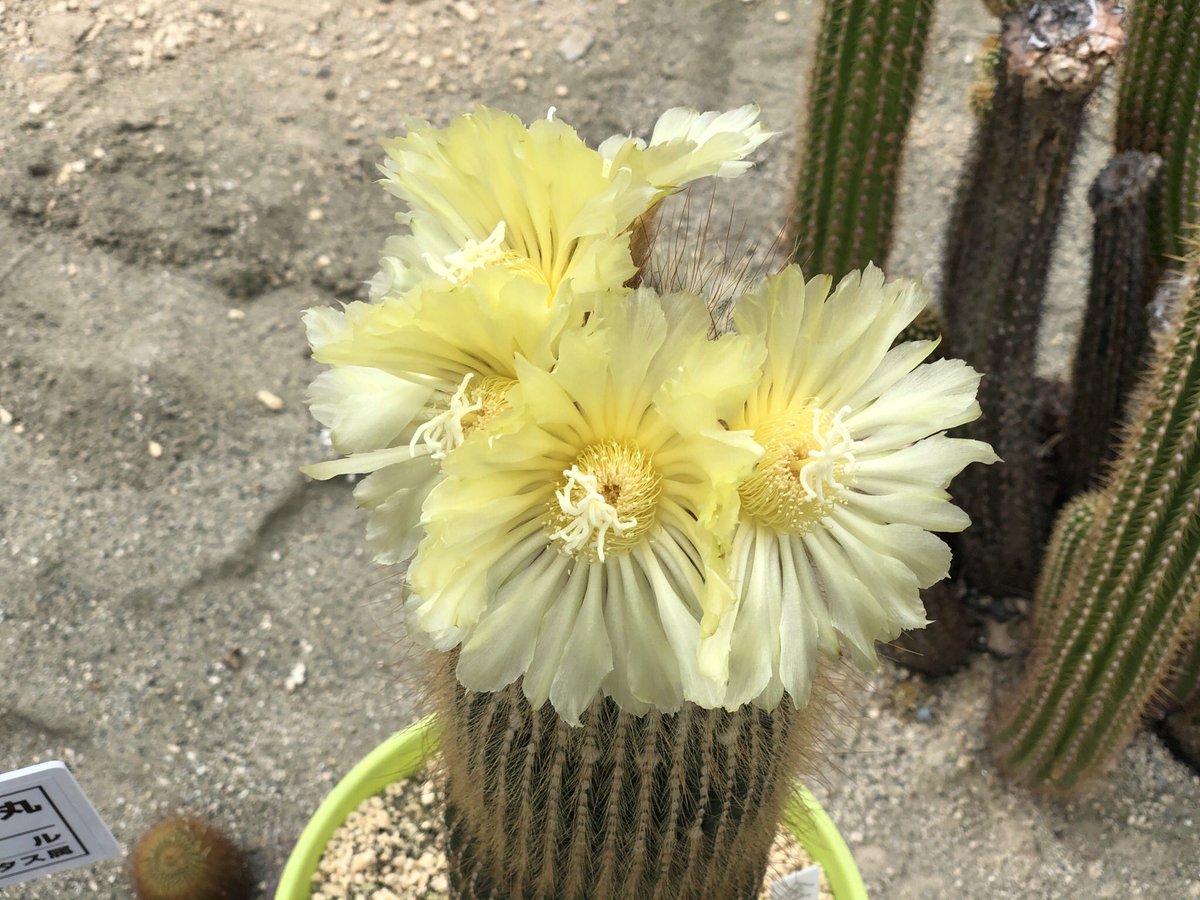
{"type": "Point", "coordinates": [1052, 55]}
{"type": "Point", "coordinates": [682, 805]}
{"type": "Point", "coordinates": [1113, 340]}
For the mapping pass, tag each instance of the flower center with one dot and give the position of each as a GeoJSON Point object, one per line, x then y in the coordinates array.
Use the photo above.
{"type": "Point", "coordinates": [457, 267]}
{"type": "Point", "coordinates": [606, 501]}
{"type": "Point", "coordinates": [807, 464]}
{"type": "Point", "coordinates": [468, 408]}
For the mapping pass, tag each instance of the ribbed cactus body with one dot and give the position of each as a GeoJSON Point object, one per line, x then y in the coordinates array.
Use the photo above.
{"type": "Point", "coordinates": [998, 251]}
{"type": "Point", "coordinates": [681, 805]}
{"type": "Point", "coordinates": [1125, 606]}
{"type": "Point", "coordinates": [1158, 109]}
{"type": "Point", "coordinates": [1070, 528]}
{"type": "Point", "coordinates": [863, 86]}
{"type": "Point", "coordinates": [1113, 339]}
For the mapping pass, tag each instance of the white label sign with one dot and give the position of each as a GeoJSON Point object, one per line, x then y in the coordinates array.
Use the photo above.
{"type": "Point", "coordinates": [47, 824]}
{"type": "Point", "coordinates": [802, 885]}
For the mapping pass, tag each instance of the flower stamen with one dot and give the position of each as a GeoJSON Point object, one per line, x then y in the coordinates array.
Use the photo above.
{"type": "Point", "coordinates": [606, 502]}
{"type": "Point", "coordinates": [807, 464]}
{"type": "Point", "coordinates": [591, 515]}
{"type": "Point", "coordinates": [445, 431]}
{"type": "Point", "coordinates": [457, 266]}
{"type": "Point", "coordinates": [835, 448]}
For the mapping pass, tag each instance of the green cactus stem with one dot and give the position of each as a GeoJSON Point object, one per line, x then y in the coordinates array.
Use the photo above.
{"type": "Point", "coordinates": [1113, 340]}
{"type": "Point", "coordinates": [863, 86]}
{"type": "Point", "coordinates": [678, 805]}
{"type": "Point", "coordinates": [1070, 528]}
{"type": "Point", "coordinates": [998, 249]}
{"type": "Point", "coordinates": [1124, 609]}
{"type": "Point", "coordinates": [1158, 110]}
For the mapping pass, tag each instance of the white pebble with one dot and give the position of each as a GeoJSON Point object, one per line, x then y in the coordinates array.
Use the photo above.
{"type": "Point", "coordinates": [269, 400]}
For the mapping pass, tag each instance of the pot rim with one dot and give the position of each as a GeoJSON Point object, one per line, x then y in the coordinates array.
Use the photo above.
{"type": "Point", "coordinates": [404, 754]}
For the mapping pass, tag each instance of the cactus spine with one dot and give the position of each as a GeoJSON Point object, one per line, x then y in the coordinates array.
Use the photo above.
{"type": "Point", "coordinates": [1070, 529]}
{"type": "Point", "coordinates": [1158, 109]}
{"type": "Point", "coordinates": [863, 86]}
{"type": "Point", "coordinates": [1131, 591]}
{"type": "Point", "coordinates": [1111, 345]}
{"type": "Point", "coordinates": [675, 805]}
{"type": "Point", "coordinates": [1052, 55]}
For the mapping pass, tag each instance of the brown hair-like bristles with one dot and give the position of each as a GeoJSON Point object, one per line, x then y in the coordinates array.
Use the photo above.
{"type": "Point", "coordinates": [665, 805]}
{"type": "Point", "coordinates": [687, 253]}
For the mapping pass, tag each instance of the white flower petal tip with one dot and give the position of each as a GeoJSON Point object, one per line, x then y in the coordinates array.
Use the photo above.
{"type": "Point", "coordinates": [834, 542]}
{"type": "Point", "coordinates": [686, 145]}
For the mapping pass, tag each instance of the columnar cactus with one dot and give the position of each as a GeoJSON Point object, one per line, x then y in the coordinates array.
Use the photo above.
{"type": "Point", "coordinates": [1158, 110]}
{"type": "Point", "coordinates": [1129, 598]}
{"type": "Point", "coordinates": [999, 244]}
{"type": "Point", "coordinates": [863, 86]}
{"type": "Point", "coordinates": [1111, 345]}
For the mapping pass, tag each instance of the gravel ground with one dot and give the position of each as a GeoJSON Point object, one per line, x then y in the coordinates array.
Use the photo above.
{"type": "Point", "coordinates": [194, 626]}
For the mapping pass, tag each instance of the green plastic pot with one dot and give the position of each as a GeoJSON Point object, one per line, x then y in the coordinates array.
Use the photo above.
{"type": "Point", "coordinates": [404, 754]}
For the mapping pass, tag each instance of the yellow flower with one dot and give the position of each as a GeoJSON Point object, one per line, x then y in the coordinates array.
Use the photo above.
{"type": "Point", "coordinates": [579, 546]}
{"type": "Point", "coordinates": [486, 189]}
{"type": "Point", "coordinates": [413, 378]}
{"type": "Point", "coordinates": [834, 541]}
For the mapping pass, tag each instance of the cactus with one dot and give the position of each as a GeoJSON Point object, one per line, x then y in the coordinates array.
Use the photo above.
{"type": "Point", "coordinates": [1132, 589]}
{"type": "Point", "coordinates": [182, 858]}
{"type": "Point", "coordinates": [673, 805]}
{"type": "Point", "coordinates": [998, 250]}
{"type": "Point", "coordinates": [1070, 529]}
{"type": "Point", "coordinates": [1158, 109]}
{"type": "Point", "coordinates": [1114, 334]}
{"type": "Point", "coordinates": [863, 86]}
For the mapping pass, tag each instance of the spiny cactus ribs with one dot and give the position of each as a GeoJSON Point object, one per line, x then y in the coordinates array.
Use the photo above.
{"type": "Point", "coordinates": [1130, 597]}
{"type": "Point", "coordinates": [1158, 111]}
{"type": "Point", "coordinates": [999, 246]}
{"type": "Point", "coordinates": [846, 187]}
{"type": "Point", "coordinates": [680, 805]}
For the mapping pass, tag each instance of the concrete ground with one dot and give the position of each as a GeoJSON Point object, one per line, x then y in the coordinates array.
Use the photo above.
{"type": "Point", "coordinates": [188, 621]}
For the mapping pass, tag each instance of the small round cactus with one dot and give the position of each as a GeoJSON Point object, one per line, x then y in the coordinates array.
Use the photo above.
{"type": "Point", "coordinates": [182, 858]}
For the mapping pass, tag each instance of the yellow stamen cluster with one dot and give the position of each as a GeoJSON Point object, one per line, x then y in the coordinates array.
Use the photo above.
{"type": "Point", "coordinates": [807, 462]}
{"type": "Point", "coordinates": [606, 501]}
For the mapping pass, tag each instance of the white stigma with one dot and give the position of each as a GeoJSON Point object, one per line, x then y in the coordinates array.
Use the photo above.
{"type": "Point", "coordinates": [444, 432]}
{"type": "Point", "coordinates": [836, 448]}
{"type": "Point", "coordinates": [457, 266]}
{"type": "Point", "coordinates": [592, 515]}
